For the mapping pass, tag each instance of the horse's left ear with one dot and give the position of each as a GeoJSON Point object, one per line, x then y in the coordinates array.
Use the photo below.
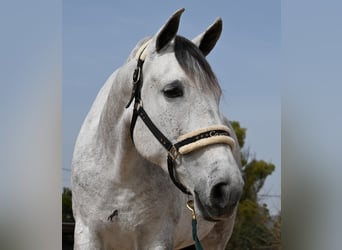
{"type": "Point", "coordinates": [207, 40]}
{"type": "Point", "coordinates": [169, 30]}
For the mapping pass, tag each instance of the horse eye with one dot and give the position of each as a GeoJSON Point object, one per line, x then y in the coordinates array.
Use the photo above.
{"type": "Point", "coordinates": [173, 91]}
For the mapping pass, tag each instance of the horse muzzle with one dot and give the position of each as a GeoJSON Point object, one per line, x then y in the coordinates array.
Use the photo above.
{"type": "Point", "coordinates": [219, 202]}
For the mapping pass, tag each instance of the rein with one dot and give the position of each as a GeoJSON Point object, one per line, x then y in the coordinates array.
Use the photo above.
{"type": "Point", "coordinates": [217, 134]}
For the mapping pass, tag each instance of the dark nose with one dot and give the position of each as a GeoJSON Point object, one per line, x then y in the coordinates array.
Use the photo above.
{"type": "Point", "coordinates": [224, 197]}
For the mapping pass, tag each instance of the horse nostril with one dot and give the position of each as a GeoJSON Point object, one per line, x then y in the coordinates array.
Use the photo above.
{"type": "Point", "coordinates": [219, 193]}
{"type": "Point", "coordinates": [223, 194]}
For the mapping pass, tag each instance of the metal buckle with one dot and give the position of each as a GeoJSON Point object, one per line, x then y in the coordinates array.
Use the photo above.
{"type": "Point", "coordinates": [173, 153]}
{"type": "Point", "coordinates": [213, 133]}
{"type": "Point", "coordinates": [190, 205]}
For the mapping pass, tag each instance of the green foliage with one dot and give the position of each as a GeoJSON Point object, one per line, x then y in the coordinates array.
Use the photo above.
{"type": "Point", "coordinates": [240, 132]}
{"type": "Point", "coordinates": [241, 135]}
{"type": "Point", "coordinates": [67, 215]}
{"type": "Point", "coordinates": [254, 227]}
{"type": "Point", "coordinates": [254, 174]}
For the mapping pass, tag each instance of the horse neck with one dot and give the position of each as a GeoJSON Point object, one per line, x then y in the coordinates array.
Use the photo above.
{"type": "Point", "coordinates": [113, 136]}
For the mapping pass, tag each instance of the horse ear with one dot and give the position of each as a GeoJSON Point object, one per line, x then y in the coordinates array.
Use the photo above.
{"type": "Point", "coordinates": [207, 40]}
{"type": "Point", "coordinates": [169, 30]}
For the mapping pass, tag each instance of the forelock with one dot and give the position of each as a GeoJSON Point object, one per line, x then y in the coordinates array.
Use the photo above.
{"type": "Point", "coordinates": [195, 66]}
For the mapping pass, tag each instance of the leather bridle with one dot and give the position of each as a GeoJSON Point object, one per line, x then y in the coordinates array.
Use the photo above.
{"type": "Point", "coordinates": [185, 143]}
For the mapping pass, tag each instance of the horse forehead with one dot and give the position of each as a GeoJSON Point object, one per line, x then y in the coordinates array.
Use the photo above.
{"type": "Point", "coordinates": [166, 65]}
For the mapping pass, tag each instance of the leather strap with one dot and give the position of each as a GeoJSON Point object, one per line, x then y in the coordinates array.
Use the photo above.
{"type": "Point", "coordinates": [165, 142]}
{"type": "Point", "coordinates": [173, 176]}
{"type": "Point", "coordinates": [201, 136]}
{"type": "Point", "coordinates": [138, 110]}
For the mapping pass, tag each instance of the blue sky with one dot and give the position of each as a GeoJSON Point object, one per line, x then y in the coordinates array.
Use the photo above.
{"type": "Point", "coordinates": [99, 35]}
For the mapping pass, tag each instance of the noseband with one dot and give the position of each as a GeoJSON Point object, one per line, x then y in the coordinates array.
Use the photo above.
{"type": "Point", "coordinates": [217, 134]}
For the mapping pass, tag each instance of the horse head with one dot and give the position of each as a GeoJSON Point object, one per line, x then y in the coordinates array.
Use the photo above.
{"type": "Point", "coordinates": [181, 95]}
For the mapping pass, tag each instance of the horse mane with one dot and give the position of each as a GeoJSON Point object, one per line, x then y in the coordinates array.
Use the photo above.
{"type": "Point", "coordinates": [194, 64]}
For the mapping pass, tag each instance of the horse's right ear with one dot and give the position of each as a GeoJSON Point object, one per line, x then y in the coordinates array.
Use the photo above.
{"type": "Point", "coordinates": [168, 31]}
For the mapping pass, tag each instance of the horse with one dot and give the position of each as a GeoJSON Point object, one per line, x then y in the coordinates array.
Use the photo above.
{"type": "Point", "coordinates": [136, 166]}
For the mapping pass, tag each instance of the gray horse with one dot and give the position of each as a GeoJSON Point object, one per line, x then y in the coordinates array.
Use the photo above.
{"type": "Point", "coordinates": [123, 196]}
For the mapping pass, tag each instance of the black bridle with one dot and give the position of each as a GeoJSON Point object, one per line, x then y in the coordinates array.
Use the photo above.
{"type": "Point", "coordinates": [173, 149]}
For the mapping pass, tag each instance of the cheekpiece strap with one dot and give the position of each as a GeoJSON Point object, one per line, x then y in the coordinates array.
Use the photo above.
{"type": "Point", "coordinates": [137, 74]}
